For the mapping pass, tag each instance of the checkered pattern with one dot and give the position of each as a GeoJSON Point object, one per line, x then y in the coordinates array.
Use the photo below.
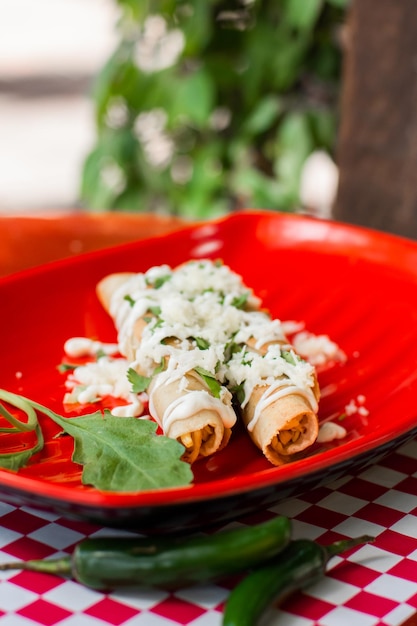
{"type": "Point", "coordinates": [372, 585]}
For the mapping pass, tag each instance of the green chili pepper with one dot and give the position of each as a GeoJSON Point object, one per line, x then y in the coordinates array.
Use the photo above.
{"type": "Point", "coordinates": [168, 562]}
{"type": "Point", "coordinates": [302, 563]}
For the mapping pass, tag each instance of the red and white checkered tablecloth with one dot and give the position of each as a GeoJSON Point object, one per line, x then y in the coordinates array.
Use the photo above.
{"type": "Point", "coordinates": [373, 585]}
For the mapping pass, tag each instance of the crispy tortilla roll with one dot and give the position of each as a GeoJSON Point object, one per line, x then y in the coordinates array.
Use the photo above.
{"type": "Point", "coordinates": [202, 423]}
{"type": "Point", "coordinates": [199, 334]}
{"type": "Point", "coordinates": [181, 402]}
{"type": "Point", "coordinates": [282, 428]}
{"type": "Point", "coordinates": [280, 417]}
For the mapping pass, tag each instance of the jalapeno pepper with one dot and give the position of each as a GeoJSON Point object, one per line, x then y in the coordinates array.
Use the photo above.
{"type": "Point", "coordinates": [169, 562]}
{"type": "Point", "coordinates": [302, 563]}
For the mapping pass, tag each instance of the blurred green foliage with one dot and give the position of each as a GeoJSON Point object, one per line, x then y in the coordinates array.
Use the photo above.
{"type": "Point", "coordinates": [207, 106]}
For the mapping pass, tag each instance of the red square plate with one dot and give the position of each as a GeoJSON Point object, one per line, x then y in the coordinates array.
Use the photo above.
{"type": "Point", "coordinates": [355, 285]}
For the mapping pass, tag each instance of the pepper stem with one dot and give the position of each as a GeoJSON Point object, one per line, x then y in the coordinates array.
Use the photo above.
{"type": "Point", "coordinates": [346, 544]}
{"type": "Point", "coordinates": [59, 567]}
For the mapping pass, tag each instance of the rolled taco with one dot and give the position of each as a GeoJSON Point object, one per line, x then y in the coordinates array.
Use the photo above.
{"type": "Point", "coordinates": [187, 408]}
{"type": "Point", "coordinates": [280, 402]}
{"type": "Point", "coordinates": [205, 330]}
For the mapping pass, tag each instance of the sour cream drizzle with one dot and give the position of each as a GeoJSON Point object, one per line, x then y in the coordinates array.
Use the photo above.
{"type": "Point", "coordinates": [190, 403]}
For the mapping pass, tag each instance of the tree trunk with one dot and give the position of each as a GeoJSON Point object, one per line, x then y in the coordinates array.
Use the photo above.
{"type": "Point", "coordinates": [377, 151]}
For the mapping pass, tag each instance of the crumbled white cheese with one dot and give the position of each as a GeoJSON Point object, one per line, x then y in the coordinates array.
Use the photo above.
{"type": "Point", "coordinates": [96, 380]}
{"type": "Point", "coordinates": [329, 431]}
{"type": "Point", "coordinates": [356, 406]}
{"type": "Point", "coordinates": [205, 301]}
{"type": "Point", "coordinates": [317, 349]}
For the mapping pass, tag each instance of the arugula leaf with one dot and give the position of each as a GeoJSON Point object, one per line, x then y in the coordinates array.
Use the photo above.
{"type": "Point", "coordinates": [117, 453]}
{"type": "Point", "coordinates": [124, 453]}
{"type": "Point", "coordinates": [139, 383]}
{"type": "Point", "coordinates": [210, 380]}
{"type": "Point", "coordinates": [17, 459]}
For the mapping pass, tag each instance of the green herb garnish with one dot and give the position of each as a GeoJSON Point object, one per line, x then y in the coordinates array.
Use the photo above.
{"type": "Point", "coordinates": [66, 367]}
{"type": "Point", "coordinates": [139, 383]}
{"type": "Point", "coordinates": [239, 393]}
{"type": "Point", "coordinates": [202, 344]}
{"type": "Point", "coordinates": [290, 357]}
{"type": "Point", "coordinates": [210, 380]}
{"type": "Point", "coordinates": [240, 301]}
{"type": "Point", "coordinates": [158, 282]}
{"type": "Point", "coordinates": [129, 299]}
{"type": "Point", "coordinates": [117, 453]}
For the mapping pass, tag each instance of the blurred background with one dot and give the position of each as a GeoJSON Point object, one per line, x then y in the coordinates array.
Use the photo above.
{"type": "Point", "coordinates": [195, 108]}
{"type": "Point", "coordinates": [50, 52]}
{"type": "Point", "coordinates": [188, 108]}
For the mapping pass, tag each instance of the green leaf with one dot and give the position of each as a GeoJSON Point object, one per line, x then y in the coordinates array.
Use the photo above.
{"type": "Point", "coordinates": [129, 299]}
{"type": "Point", "coordinates": [263, 116]}
{"type": "Point", "coordinates": [202, 344]}
{"type": "Point", "coordinates": [240, 301]}
{"type": "Point", "coordinates": [125, 454]}
{"type": "Point", "coordinates": [139, 383]}
{"type": "Point", "coordinates": [194, 98]}
{"type": "Point", "coordinates": [66, 367]}
{"type": "Point", "coordinates": [117, 453]}
{"type": "Point", "coordinates": [301, 14]}
{"type": "Point", "coordinates": [210, 380]}
{"type": "Point", "coordinates": [19, 458]}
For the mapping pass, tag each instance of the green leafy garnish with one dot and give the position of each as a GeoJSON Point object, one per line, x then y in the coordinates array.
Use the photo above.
{"type": "Point", "coordinates": [158, 282]}
{"type": "Point", "coordinates": [240, 301]}
{"type": "Point", "coordinates": [210, 380]}
{"type": "Point", "coordinates": [139, 383]}
{"type": "Point", "coordinates": [117, 453]}
{"type": "Point", "coordinates": [202, 344]}
{"type": "Point", "coordinates": [16, 460]}
{"type": "Point", "coordinates": [129, 299]}
{"type": "Point", "coordinates": [156, 310]}
{"type": "Point", "coordinates": [289, 357]}
{"type": "Point", "coordinates": [66, 367]}
{"type": "Point", "coordinates": [239, 393]}
{"type": "Point", "coordinates": [231, 348]}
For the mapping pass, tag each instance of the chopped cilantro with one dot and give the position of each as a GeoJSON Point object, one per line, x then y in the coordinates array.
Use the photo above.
{"type": "Point", "coordinates": [239, 393]}
{"type": "Point", "coordinates": [240, 301]}
{"type": "Point", "coordinates": [231, 349]}
{"type": "Point", "coordinates": [202, 344]}
{"type": "Point", "coordinates": [210, 380]}
{"type": "Point", "coordinates": [66, 367]}
{"type": "Point", "coordinates": [290, 357]}
{"type": "Point", "coordinates": [129, 299]}
{"type": "Point", "coordinates": [161, 280]}
{"type": "Point", "coordinates": [139, 383]}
